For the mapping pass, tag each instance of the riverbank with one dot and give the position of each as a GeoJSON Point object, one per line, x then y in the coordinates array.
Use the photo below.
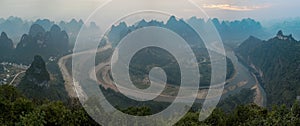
{"type": "Point", "coordinates": [260, 96]}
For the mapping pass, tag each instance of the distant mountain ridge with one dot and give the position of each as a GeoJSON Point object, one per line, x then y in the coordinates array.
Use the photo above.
{"type": "Point", "coordinates": [277, 62]}
{"type": "Point", "coordinates": [231, 32]}
{"type": "Point", "coordinates": [234, 32]}
{"type": "Point", "coordinates": [15, 27]}
{"type": "Point", "coordinates": [178, 26]}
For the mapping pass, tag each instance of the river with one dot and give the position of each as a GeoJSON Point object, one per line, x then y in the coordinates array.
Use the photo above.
{"type": "Point", "coordinates": [243, 79]}
{"type": "Point", "coordinates": [244, 75]}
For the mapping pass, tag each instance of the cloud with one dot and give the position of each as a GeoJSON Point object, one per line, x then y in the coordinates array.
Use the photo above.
{"type": "Point", "coordinates": [234, 7]}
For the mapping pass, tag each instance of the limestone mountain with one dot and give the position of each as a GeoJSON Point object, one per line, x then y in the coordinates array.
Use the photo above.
{"type": "Point", "coordinates": [234, 32]}
{"type": "Point", "coordinates": [277, 63]}
{"type": "Point", "coordinates": [41, 83]}
{"type": "Point", "coordinates": [57, 40]}
{"type": "Point", "coordinates": [14, 27]}
{"type": "Point", "coordinates": [48, 44]}
{"type": "Point", "coordinates": [6, 47]}
{"type": "Point", "coordinates": [117, 32]}
{"type": "Point", "coordinates": [45, 23]}
{"type": "Point", "coordinates": [73, 27]}
{"type": "Point", "coordinates": [248, 46]}
{"type": "Point", "coordinates": [36, 30]}
{"type": "Point", "coordinates": [284, 37]}
{"type": "Point", "coordinates": [37, 73]}
{"type": "Point", "coordinates": [184, 30]}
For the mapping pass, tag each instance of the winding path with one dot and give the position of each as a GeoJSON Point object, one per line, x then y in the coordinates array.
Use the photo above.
{"type": "Point", "coordinates": [12, 81]}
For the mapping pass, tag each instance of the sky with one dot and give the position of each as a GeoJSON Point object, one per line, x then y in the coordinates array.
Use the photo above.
{"type": "Point", "coordinates": [82, 9]}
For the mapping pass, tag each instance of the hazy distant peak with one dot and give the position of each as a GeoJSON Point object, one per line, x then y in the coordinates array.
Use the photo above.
{"type": "Point", "coordinates": [252, 38]}
{"type": "Point", "coordinates": [142, 23]}
{"type": "Point", "coordinates": [215, 21]}
{"type": "Point", "coordinates": [80, 21]}
{"type": "Point", "coordinates": [73, 21]}
{"type": "Point", "coordinates": [172, 20]}
{"type": "Point", "coordinates": [3, 35]}
{"type": "Point", "coordinates": [36, 29]}
{"type": "Point", "coordinates": [55, 28]}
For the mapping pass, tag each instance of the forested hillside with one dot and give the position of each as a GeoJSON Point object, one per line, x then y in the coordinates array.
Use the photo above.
{"type": "Point", "coordinates": [277, 62]}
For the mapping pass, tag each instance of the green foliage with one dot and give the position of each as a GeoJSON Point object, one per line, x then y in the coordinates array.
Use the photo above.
{"type": "Point", "coordinates": [18, 110]}
{"type": "Point", "coordinates": [34, 118]}
{"type": "Point", "coordinates": [138, 111]}
{"type": "Point", "coordinates": [15, 109]}
{"type": "Point", "coordinates": [12, 105]}
{"type": "Point", "coordinates": [245, 96]}
{"type": "Point", "coordinates": [9, 93]}
{"type": "Point", "coordinates": [249, 115]}
{"type": "Point", "coordinates": [190, 119]}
